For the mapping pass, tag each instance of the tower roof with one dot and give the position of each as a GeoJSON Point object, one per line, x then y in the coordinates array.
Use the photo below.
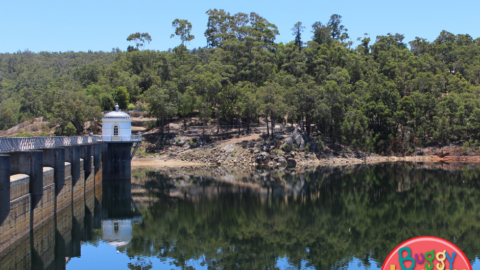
{"type": "Point", "coordinates": [116, 115]}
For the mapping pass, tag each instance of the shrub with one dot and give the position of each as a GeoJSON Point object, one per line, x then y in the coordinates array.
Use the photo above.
{"type": "Point", "coordinates": [151, 124]}
{"type": "Point", "coordinates": [465, 147]}
{"type": "Point", "coordinates": [69, 130]}
{"type": "Point", "coordinates": [295, 146]}
{"type": "Point", "coordinates": [307, 148]}
{"type": "Point", "coordinates": [44, 127]}
{"type": "Point", "coordinates": [474, 144]}
{"type": "Point", "coordinates": [35, 128]}
{"type": "Point", "coordinates": [287, 147]}
{"type": "Point", "coordinates": [410, 150]}
{"type": "Point", "coordinates": [23, 134]}
{"type": "Point", "coordinates": [131, 106]}
{"type": "Point", "coordinates": [141, 107]}
{"type": "Point", "coordinates": [320, 145]}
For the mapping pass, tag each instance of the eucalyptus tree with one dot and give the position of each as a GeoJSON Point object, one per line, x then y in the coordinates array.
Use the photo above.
{"type": "Point", "coordinates": [182, 30]}
{"type": "Point", "coordinates": [162, 101]}
{"type": "Point", "coordinates": [139, 39]}
{"type": "Point", "coordinates": [272, 103]}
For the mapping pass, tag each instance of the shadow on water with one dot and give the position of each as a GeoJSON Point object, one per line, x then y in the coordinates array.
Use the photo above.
{"type": "Point", "coordinates": [325, 218]}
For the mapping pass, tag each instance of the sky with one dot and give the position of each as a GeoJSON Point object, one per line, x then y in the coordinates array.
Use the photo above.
{"type": "Point", "coordinates": [100, 25]}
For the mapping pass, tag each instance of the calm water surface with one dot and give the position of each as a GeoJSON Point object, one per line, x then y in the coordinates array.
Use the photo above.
{"type": "Point", "coordinates": [325, 218]}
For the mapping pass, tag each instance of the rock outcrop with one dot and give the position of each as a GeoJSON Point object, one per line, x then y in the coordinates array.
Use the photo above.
{"type": "Point", "coordinates": [299, 138]}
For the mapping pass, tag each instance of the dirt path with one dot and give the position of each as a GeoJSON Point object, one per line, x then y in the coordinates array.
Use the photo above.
{"type": "Point", "coordinates": [237, 140]}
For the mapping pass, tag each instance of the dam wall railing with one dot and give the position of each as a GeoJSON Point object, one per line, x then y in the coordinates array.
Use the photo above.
{"type": "Point", "coordinates": [8, 145]}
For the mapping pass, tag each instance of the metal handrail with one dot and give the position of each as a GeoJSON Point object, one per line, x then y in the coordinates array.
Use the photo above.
{"type": "Point", "coordinates": [8, 145]}
{"type": "Point", "coordinates": [122, 138]}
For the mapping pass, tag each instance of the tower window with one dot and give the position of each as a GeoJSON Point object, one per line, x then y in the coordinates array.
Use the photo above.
{"type": "Point", "coordinates": [115, 131]}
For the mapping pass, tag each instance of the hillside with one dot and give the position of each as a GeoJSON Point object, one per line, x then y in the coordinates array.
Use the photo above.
{"type": "Point", "coordinates": [384, 95]}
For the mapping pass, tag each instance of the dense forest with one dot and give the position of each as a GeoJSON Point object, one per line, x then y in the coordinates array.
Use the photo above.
{"type": "Point", "coordinates": [385, 95]}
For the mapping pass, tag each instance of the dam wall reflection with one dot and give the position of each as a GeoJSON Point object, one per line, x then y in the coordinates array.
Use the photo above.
{"type": "Point", "coordinates": [79, 211]}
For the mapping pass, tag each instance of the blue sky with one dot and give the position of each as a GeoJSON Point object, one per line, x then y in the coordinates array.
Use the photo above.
{"type": "Point", "coordinates": [65, 25]}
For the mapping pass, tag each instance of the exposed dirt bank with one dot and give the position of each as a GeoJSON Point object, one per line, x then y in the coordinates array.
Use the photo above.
{"type": "Point", "coordinates": [155, 162]}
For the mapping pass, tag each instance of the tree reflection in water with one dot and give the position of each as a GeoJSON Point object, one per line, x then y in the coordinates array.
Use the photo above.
{"type": "Point", "coordinates": [325, 217]}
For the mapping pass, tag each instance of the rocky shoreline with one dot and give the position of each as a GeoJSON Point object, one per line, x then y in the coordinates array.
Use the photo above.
{"type": "Point", "coordinates": [287, 151]}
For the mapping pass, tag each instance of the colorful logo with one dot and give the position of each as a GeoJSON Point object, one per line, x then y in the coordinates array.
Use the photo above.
{"type": "Point", "coordinates": [426, 253]}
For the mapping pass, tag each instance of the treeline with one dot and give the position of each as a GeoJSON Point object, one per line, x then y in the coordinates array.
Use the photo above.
{"type": "Point", "coordinates": [382, 96]}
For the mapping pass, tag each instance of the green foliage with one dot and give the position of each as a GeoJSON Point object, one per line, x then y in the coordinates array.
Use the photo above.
{"type": "Point", "coordinates": [131, 106]}
{"type": "Point", "coordinates": [8, 118]}
{"type": "Point", "coordinates": [307, 148]}
{"type": "Point", "coordinates": [69, 130]}
{"type": "Point", "coordinates": [182, 30]}
{"type": "Point", "coordinates": [151, 124]}
{"type": "Point", "coordinates": [466, 146]}
{"type": "Point", "coordinates": [141, 107]}
{"type": "Point", "coordinates": [320, 143]}
{"type": "Point", "coordinates": [122, 97]}
{"type": "Point", "coordinates": [23, 134]}
{"type": "Point", "coordinates": [287, 147]}
{"type": "Point", "coordinates": [139, 39]}
{"type": "Point", "coordinates": [382, 96]}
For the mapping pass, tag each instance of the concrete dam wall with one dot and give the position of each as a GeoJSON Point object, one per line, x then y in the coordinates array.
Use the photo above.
{"type": "Point", "coordinates": [45, 197]}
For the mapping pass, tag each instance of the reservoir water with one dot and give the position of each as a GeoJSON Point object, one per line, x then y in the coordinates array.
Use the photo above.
{"type": "Point", "coordinates": [223, 218]}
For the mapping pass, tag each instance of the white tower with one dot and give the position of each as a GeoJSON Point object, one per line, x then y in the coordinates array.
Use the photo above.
{"type": "Point", "coordinates": [117, 126]}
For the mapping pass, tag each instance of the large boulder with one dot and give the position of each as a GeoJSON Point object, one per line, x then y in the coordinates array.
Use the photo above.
{"type": "Point", "coordinates": [291, 162]}
{"type": "Point", "coordinates": [228, 148]}
{"type": "Point", "coordinates": [299, 138]}
{"type": "Point", "coordinates": [193, 145]}
{"type": "Point", "coordinates": [262, 158]}
{"type": "Point", "coordinates": [181, 141]}
{"type": "Point", "coordinates": [282, 161]}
